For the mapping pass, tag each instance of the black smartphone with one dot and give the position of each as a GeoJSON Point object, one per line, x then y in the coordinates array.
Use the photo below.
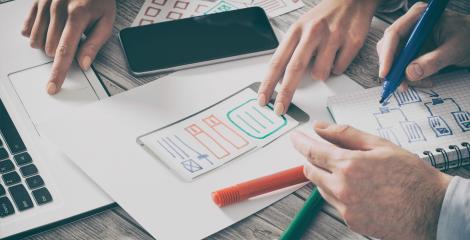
{"type": "Point", "coordinates": [196, 41]}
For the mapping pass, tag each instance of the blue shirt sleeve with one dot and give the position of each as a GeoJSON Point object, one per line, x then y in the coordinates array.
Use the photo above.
{"type": "Point", "coordinates": [454, 219]}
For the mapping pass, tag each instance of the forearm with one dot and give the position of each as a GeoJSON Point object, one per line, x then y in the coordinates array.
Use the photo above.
{"type": "Point", "coordinates": [454, 219]}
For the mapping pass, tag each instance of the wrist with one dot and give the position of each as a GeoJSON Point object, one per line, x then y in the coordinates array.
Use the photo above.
{"type": "Point", "coordinates": [431, 218]}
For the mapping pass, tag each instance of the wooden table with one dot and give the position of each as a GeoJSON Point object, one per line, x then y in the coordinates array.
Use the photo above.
{"type": "Point", "coordinates": [267, 223]}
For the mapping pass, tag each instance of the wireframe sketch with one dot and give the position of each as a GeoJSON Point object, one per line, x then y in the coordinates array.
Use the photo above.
{"type": "Point", "coordinates": [225, 132]}
{"type": "Point", "coordinates": [200, 156]}
{"type": "Point", "coordinates": [255, 121]}
{"type": "Point", "coordinates": [407, 97]}
{"type": "Point", "coordinates": [191, 166]}
{"type": "Point", "coordinates": [438, 109]}
{"type": "Point", "coordinates": [387, 125]}
{"type": "Point", "coordinates": [177, 148]}
{"type": "Point", "coordinates": [208, 141]}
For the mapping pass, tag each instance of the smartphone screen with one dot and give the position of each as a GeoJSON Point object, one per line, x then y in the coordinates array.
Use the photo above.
{"type": "Point", "coordinates": [197, 41]}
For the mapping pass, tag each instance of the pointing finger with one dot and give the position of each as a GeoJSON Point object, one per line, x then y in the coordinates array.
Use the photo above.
{"type": "Point", "coordinates": [278, 64]}
{"type": "Point", "coordinates": [65, 53]}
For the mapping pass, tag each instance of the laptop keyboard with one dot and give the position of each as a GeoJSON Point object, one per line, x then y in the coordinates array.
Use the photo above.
{"type": "Point", "coordinates": [21, 186]}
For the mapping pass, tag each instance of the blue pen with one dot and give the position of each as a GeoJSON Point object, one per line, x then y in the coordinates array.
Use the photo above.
{"type": "Point", "coordinates": [421, 31]}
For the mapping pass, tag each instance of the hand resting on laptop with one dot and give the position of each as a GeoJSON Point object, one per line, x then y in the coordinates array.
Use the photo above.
{"type": "Point", "coordinates": [56, 26]}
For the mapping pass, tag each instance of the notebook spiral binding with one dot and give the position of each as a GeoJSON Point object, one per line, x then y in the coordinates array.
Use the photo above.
{"type": "Point", "coordinates": [456, 156]}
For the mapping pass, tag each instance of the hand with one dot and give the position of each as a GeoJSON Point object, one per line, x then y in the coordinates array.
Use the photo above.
{"type": "Point", "coordinates": [332, 33]}
{"type": "Point", "coordinates": [57, 27]}
{"type": "Point", "coordinates": [380, 189]}
{"type": "Point", "coordinates": [448, 45]}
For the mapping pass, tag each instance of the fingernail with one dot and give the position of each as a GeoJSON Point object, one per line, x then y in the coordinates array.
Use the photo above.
{"type": "Point", "coordinates": [416, 71]}
{"type": "Point", "coordinates": [321, 125]}
{"type": "Point", "coordinates": [279, 109]}
{"type": "Point", "coordinates": [51, 88]}
{"type": "Point", "coordinates": [307, 170]}
{"type": "Point", "coordinates": [262, 99]}
{"type": "Point", "coordinates": [86, 62]}
{"type": "Point", "coordinates": [381, 71]}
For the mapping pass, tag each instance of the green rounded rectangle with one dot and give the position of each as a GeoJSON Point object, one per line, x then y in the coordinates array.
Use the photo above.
{"type": "Point", "coordinates": [255, 121]}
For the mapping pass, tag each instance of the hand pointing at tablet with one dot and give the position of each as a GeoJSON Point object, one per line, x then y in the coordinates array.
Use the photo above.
{"type": "Point", "coordinates": [56, 26]}
{"type": "Point", "coordinates": [331, 33]}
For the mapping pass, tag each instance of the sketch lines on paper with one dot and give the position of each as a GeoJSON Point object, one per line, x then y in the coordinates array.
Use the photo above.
{"type": "Point", "coordinates": [208, 141]}
{"type": "Point", "coordinates": [387, 128]}
{"type": "Point", "coordinates": [441, 110]}
{"type": "Point", "coordinates": [175, 148]}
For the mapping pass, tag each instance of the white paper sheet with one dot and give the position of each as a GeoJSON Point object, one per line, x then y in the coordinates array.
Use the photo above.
{"type": "Point", "coordinates": [101, 139]}
{"type": "Point", "coordinates": [154, 11]}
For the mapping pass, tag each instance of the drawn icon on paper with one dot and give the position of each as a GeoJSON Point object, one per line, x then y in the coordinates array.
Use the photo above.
{"type": "Point", "coordinates": [439, 126]}
{"type": "Point", "coordinates": [191, 165]}
{"type": "Point", "coordinates": [407, 97]}
{"type": "Point", "coordinates": [413, 131]}
{"type": "Point", "coordinates": [463, 120]}
{"type": "Point", "coordinates": [200, 156]}
{"type": "Point", "coordinates": [255, 121]}
{"type": "Point", "coordinates": [225, 132]}
{"type": "Point", "coordinates": [389, 134]}
{"type": "Point", "coordinates": [209, 142]}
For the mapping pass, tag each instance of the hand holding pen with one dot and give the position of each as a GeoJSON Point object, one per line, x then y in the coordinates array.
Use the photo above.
{"type": "Point", "coordinates": [445, 46]}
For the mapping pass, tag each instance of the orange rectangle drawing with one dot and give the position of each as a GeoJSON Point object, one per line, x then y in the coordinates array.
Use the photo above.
{"type": "Point", "coordinates": [226, 132]}
{"type": "Point", "coordinates": [206, 140]}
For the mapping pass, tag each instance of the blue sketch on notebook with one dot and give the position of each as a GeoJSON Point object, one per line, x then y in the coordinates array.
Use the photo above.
{"type": "Point", "coordinates": [428, 92]}
{"type": "Point", "coordinates": [438, 123]}
{"type": "Point", "coordinates": [385, 132]}
{"type": "Point", "coordinates": [463, 120]}
{"type": "Point", "coordinates": [411, 129]}
{"type": "Point", "coordinates": [191, 165]}
{"type": "Point", "coordinates": [389, 134]}
{"type": "Point", "coordinates": [439, 126]}
{"type": "Point", "coordinates": [407, 97]}
{"type": "Point", "coordinates": [200, 156]}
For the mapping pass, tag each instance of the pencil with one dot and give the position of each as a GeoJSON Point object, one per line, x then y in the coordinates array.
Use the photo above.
{"type": "Point", "coordinates": [304, 217]}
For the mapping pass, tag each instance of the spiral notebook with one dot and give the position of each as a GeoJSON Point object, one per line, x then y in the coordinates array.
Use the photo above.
{"type": "Point", "coordinates": [431, 122]}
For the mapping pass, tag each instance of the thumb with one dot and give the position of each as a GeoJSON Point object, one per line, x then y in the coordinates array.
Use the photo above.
{"type": "Point", "coordinates": [431, 62]}
{"type": "Point", "coordinates": [345, 136]}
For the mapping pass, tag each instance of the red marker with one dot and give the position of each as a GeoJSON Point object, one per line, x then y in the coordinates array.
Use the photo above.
{"type": "Point", "coordinates": [258, 186]}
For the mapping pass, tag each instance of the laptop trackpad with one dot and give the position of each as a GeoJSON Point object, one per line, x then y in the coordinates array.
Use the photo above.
{"type": "Point", "coordinates": [30, 86]}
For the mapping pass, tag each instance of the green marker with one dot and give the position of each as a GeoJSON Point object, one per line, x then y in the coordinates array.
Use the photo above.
{"type": "Point", "coordinates": [304, 217]}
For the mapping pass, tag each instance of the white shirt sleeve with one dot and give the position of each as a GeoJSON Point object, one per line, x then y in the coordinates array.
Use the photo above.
{"type": "Point", "coordinates": [454, 219]}
{"type": "Point", "coordinates": [388, 6]}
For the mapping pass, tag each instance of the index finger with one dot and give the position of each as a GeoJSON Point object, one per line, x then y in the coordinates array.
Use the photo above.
{"type": "Point", "coordinates": [65, 53]}
{"type": "Point", "coordinates": [277, 65]}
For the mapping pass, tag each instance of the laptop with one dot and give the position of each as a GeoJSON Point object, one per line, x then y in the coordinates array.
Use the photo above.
{"type": "Point", "coordinates": [40, 187]}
